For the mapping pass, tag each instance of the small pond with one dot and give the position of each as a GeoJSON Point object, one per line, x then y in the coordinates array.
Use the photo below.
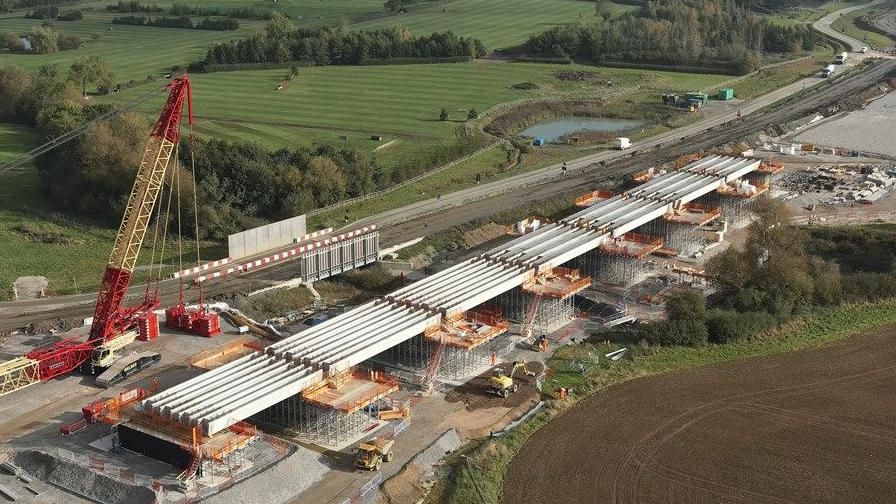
{"type": "Point", "coordinates": [555, 129]}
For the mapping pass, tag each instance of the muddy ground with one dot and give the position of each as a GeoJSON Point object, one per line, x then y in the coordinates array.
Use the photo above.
{"type": "Point", "coordinates": [807, 427]}
{"type": "Point", "coordinates": [475, 393]}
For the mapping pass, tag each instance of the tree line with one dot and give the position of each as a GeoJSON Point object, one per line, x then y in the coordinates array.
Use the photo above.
{"type": "Point", "coordinates": [781, 272]}
{"type": "Point", "coordinates": [9, 5]}
{"type": "Point", "coordinates": [43, 39]}
{"type": "Point", "coordinates": [179, 9]}
{"type": "Point", "coordinates": [53, 12]}
{"type": "Point", "coordinates": [283, 42]}
{"type": "Point", "coordinates": [179, 22]}
{"type": "Point", "coordinates": [717, 33]}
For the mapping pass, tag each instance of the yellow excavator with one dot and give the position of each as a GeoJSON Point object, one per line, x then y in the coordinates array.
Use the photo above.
{"type": "Point", "coordinates": [501, 383]}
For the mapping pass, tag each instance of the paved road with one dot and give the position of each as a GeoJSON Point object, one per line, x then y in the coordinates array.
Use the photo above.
{"type": "Point", "coordinates": [824, 25]}
{"type": "Point", "coordinates": [417, 219]}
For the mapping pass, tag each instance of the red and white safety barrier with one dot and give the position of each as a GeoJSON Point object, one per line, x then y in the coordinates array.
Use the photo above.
{"type": "Point", "coordinates": [264, 261]}
{"type": "Point", "coordinates": [313, 235]}
{"type": "Point", "coordinates": [202, 267]}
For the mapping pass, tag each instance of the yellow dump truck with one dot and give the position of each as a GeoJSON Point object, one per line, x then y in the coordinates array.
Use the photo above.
{"type": "Point", "coordinates": [370, 455]}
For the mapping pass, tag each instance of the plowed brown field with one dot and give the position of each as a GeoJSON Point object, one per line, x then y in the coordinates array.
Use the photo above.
{"type": "Point", "coordinates": [816, 426]}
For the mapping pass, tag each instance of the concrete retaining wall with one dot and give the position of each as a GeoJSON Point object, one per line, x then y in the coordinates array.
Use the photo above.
{"type": "Point", "coordinates": [267, 237]}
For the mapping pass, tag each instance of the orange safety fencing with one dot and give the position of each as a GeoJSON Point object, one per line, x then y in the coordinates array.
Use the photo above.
{"type": "Point", "coordinates": [235, 437]}
{"type": "Point", "coordinates": [694, 213]}
{"type": "Point", "coordinates": [486, 314]}
{"type": "Point", "coordinates": [634, 245]}
{"type": "Point", "coordinates": [589, 199]}
{"type": "Point", "coordinates": [385, 385]}
{"type": "Point", "coordinates": [770, 168]}
{"type": "Point", "coordinates": [643, 175]}
{"type": "Point", "coordinates": [186, 436]}
{"type": "Point", "coordinates": [700, 208]}
{"type": "Point", "coordinates": [559, 283]}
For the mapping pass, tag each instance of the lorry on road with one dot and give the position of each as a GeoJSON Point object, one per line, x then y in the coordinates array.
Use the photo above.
{"type": "Point", "coordinates": [622, 143]}
{"type": "Point", "coordinates": [827, 71]}
{"type": "Point", "coordinates": [841, 58]}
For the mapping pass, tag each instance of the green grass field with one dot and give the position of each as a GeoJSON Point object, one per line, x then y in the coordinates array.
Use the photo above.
{"type": "Point", "coordinates": [399, 102]}
{"type": "Point", "coordinates": [498, 24]}
{"type": "Point", "coordinates": [847, 24]}
{"type": "Point", "coordinates": [133, 52]}
{"type": "Point", "coordinates": [35, 240]}
{"type": "Point", "coordinates": [810, 11]}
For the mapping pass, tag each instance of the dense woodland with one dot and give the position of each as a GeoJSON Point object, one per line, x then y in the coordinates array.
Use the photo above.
{"type": "Point", "coordinates": [705, 33]}
{"type": "Point", "coordinates": [283, 42]}
{"type": "Point", "coordinates": [781, 272]}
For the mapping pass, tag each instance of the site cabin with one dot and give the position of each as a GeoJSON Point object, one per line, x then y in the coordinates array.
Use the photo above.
{"type": "Point", "coordinates": [622, 143]}
{"type": "Point", "coordinates": [841, 58]}
{"type": "Point", "coordinates": [827, 71]}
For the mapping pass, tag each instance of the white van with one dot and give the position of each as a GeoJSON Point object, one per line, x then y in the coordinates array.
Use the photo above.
{"type": "Point", "coordinates": [623, 143]}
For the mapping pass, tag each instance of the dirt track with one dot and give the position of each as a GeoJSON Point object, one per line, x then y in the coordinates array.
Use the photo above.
{"type": "Point", "coordinates": [807, 427]}
{"type": "Point", "coordinates": [475, 393]}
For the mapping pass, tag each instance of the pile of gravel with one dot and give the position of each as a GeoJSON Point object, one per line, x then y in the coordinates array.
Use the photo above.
{"type": "Point", "coordinates": [281, 483]}
{"type": "Point", "coordinates": [81, 480]}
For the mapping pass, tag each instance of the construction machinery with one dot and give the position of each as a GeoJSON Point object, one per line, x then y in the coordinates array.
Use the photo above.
{"type": "Point", "coordinates": [501, 382]}
{"type": "Point", "coordinates": [540, 344]}
{"type": "Point", "coordinates": [127, 366]}
{"type": "Point", "coordinates": [112, 320]}
{"type": "Point", "coordinates": [370, 455]}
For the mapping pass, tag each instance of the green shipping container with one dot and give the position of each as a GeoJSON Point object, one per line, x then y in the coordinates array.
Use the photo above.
{"type": "Point", "coordinates": [726, 93]}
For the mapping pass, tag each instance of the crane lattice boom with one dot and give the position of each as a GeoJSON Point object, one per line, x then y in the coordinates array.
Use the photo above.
{"type": "Point", "coordinates": [110, 317]}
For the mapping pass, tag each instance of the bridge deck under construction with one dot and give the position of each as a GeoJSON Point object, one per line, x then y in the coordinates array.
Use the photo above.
{"type": "Point", "coordinates": [246, 386]}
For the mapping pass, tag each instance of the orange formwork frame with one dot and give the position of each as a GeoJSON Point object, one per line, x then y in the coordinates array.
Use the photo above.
{"type": "Point", "coordinates": [730, 190]}
{"type": "Point", "coordinates": [462, 334]}
{"type": "Point", "coordinates": [384, 385]}
{"type": "Point", "coordinates": [770, 167]}
{"type": "Point", "coordinates": [633, 245]}
{"type": "Point", "coordinates": [696, 214]}
{"type": "Point", "coordinates": [558, 283]}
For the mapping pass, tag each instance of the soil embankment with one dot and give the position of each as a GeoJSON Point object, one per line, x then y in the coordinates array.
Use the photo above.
{"type": "Point", "coordinates": [811, 427]}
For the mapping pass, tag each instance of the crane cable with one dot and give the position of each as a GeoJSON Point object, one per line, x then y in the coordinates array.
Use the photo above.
{"type": "Point", "coordinates": [165, 233]}
{"type": "Point", "coordinates": [195, 208]}
{"type": "Point", "coordinates": [71, 135]}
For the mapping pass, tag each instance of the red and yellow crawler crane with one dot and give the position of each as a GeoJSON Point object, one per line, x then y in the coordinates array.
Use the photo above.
{"type": "Point", "coordinates": [111, 318]}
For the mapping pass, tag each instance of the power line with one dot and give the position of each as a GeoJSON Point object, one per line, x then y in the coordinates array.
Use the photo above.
{"type": "Point", "coordinates": [75, 133]}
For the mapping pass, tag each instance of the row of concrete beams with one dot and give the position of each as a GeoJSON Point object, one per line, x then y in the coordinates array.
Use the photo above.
{"type": "Point", "coordinates": [337, 345]}
{"type": "Point", "coordinates": [231, 393]}
{"type": "Point", "coordinates": [237, 390]}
